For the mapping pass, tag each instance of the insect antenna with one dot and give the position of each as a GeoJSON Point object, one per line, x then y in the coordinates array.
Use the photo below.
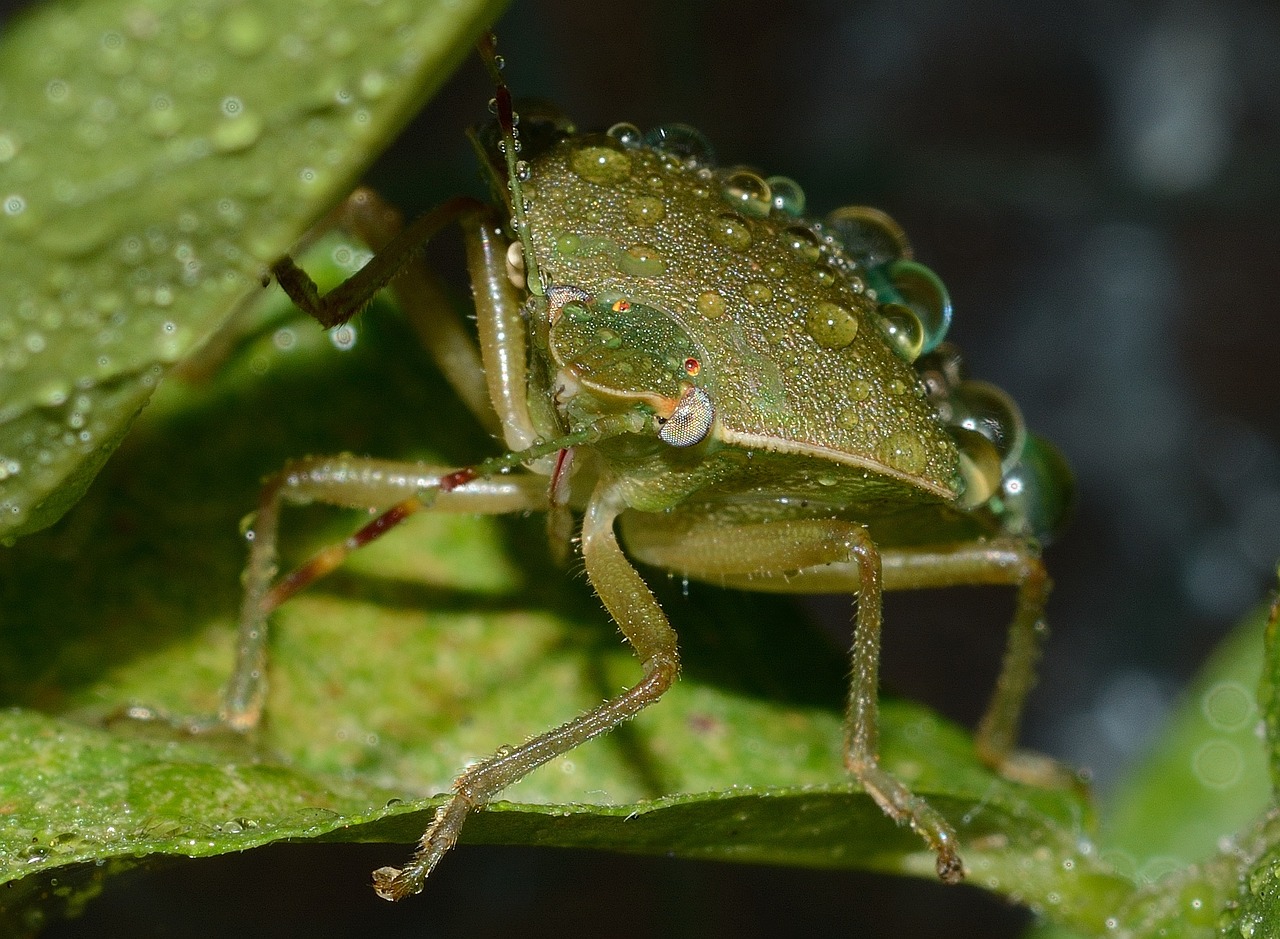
{"type": "Point", "coordinates": [509, 145]}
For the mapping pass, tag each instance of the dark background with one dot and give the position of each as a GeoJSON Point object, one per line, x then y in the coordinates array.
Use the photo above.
{"type": "Point", "coordinates": [1097, 183]}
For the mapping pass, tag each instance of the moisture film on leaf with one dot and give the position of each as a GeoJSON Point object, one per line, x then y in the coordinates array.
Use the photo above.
{"type": "Point", "coordinates": [156, 157]}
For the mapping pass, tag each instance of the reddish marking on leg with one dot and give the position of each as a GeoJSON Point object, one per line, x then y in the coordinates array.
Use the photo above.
{"type": "Point", "coordinates": [560, 477]}
{"type": "Point", "coordinates": [384, 523]}
{"type": "Point", "coordinates": [315, 568]}
{"type": "Point", "coordinates": [326, 560]}
{"type": "Point", "coordinates": [455, 479]}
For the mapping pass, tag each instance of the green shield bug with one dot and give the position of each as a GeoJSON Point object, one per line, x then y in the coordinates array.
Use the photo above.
{"type": "Point", "coordinates": [731, 390]}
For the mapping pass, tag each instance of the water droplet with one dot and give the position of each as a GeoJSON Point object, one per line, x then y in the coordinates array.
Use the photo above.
{"type": "Point", "coordinates": [831, 325]}
{"type": "Point", "coordinates": [244, 33]}
{"type": "Point", "coordinates": [373, 85]}
{"type": "Point", "coordinates": [602, 165]}
{"type": "Point", "coordinates": [757, 292]}
{"type": "Point", "coordinates": [53, 394]}
{"type": "Point", "coordinates": [608, 338]}
{"type": "Point", "coordinates": [113, 57]}
{"type": "Point", "coordinates": [76, 234]}
{"type": "Point", "coordinates": [57, 91]}
{"type": "Point", "coordinates": [903, 451]}
{"type": "Point", "coordinates": [868, 235]}
{"type": "Point", "coordinates": [1218, 764]}
{"type": "Point", "coordinates": [747, 193]}
{"type": "Point", "coordinates": [984, 408]}
{"type": "Point", "coordinates": [626, 134]}
{"type": "Point", "coordinates": [848, 418]}
{"type": "Point", "coordinates": [238, 132]}
{"type": "Point", "coordinates": [568, 243]}
{"type": "Point", "coordinates": [980, 471]}
{"type": "Point", "coordinates": [14, 204]}
{"type": "Point", "coordinates": [731, 231]}
{"type": "Point", "coordinates": [1039, 492]}
{"type": "Point", "coordinates": [803, 241]}
{"type": "Point", "coordinates": [646, 210]}
{"type": "Point", "coordinates": [310, 179]}
{"type": "Point", "coordinates": [786, 196]}
{"type": "Point", "coordinates": [923, 291]}
{"type": "Point", "coordinates": [711, 304]}
{"type": "Point", "coordinates": [903, 329]}
{"type": "Point", "coordinates": [860, 389]}
{"type": "Point", "coordinates": [163, 118]}
{"type": "Point", "coordinates": [824, 275]}
{"type": "Point", "coordinates": [343, 337]}
{"type": "Point", "coordinates": [642, 260]}
{"type": "Point", "coordinates": [1228, 706]}
{"type": "Point", "coordinates": [682, 141]}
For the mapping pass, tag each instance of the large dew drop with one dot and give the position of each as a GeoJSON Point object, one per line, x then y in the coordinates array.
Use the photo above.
{"type": "Point", "coordinates": [602, 165]}
{"type": "Point", "coordinates": [642, 260]}
{"type": "Point", "coordinates": [903, 329]}
{"type": "Point", "coordinates": [731, 231]}
{"type": "Point", "coordinates": [748, 193]}
{"type": "Point", "coordinates": [903, 451]}
{"type": "Point", "coordinates": [831, 325]}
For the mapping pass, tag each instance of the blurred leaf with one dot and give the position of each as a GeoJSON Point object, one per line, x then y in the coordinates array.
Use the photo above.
{"type": "Point", "coordinates": [1269, 691]}
{"type": "Point", "coordinates": [156, 157]}
{"type": "Point", "coordinates": [1207, 777]}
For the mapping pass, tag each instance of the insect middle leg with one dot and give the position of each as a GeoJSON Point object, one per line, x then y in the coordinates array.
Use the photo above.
{"type": "Point", "coordinates": [778, 555]}
{"type": "Point", "coordinates": [698, 551]}
{"type": "Point", "coordinates": [396, 489]}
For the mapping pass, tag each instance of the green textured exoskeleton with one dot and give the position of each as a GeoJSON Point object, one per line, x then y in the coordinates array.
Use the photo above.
{"type": "Point", "coordinates": [733, 391]}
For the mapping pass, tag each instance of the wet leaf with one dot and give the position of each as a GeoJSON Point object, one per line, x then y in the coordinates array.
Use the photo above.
{"type": "Point", "coordinates": [430, 648]}
{"type": "Point", "coordinates": [1206, 779]}
{"type": "Point", "coordinates": [155, 157]}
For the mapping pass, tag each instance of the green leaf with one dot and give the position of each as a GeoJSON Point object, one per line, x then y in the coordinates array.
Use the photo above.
{"type": "Point", "coordinates": [1255, 910]}
{"type": "Point", "coordinates": [1189, 823]}
{"type": "Point", "coordinates": [1269, 691]}
{"type": "Point", "coordinates": [430, 648]}
{"type": "Point", "coordinates": [1207, 777]}
{"type": "Point", "coordinates": [156, 156]}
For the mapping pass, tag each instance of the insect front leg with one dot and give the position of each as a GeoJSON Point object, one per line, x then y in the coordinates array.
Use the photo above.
{"type": "Point", "coordinates": [398, 490]}
{"type": "Point", "coordinates": [633, 607]}
{"type": "Point", "coordinates": [491, 380]}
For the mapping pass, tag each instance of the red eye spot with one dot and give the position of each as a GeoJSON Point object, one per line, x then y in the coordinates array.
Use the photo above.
{"type": "Point", "coordinates": [621, 306]}
{"type": "Point", "coordinates": [692, 366]}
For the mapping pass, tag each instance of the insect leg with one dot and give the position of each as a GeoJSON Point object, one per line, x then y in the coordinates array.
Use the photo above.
{"type": "Point", "coordinates": [491, 380]}
{"type": "Point", "coordinates": [780, 555]}
{"type": "Point", "coordinates": [1004, 563]}
{"type": "Point", "coordinates": [397, 489]}
{"type": "Point", "coordinates": [422, 298]}
{"type": "Point", "coordinates": [862, 718]}
{"type": "Point", "coordinates": [633, 607]}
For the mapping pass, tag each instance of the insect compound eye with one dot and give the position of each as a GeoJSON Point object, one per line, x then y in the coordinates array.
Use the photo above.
{"type": "Point", "coordinates": [692, 366]}
{"type": "Point", "coordinates": [621, 306]}
{"type": "Point", "coordinates": [561, 295]}
{"type": "Point", "coordinates": [691, 420]}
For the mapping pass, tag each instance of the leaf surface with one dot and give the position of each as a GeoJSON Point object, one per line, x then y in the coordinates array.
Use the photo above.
{"type": "Point", "coordinates": [156, 156]}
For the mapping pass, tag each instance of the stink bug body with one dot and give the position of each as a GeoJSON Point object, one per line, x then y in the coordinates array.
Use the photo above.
{"type": "Point", "coordinates": [731, 390]}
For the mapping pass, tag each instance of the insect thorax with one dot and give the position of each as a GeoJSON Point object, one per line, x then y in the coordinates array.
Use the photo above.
{"type": "Point", "coordinates": [783, 326]}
